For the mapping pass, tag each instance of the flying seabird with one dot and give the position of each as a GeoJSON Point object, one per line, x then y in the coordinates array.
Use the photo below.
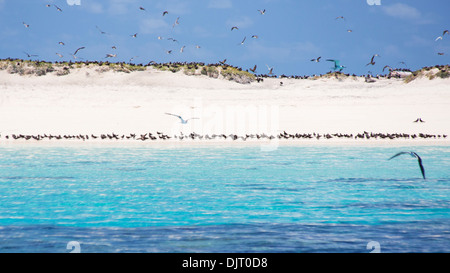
{"type": "Point", "coordinates": [340, 17]}
{"type": "Point", "coordinates": [253, 69]}
{"type": "Point", "coordinates": [59, 55]}
{"type": "Point", "coordinates": [336, 65]}
{"type": "Point", "coordinates": [111, 55]}
{"type": "Point", "coordinates": [176, 22]}
{"type": "Point", "coordinates": [101, 31]}
{"type": "Point", "coordinates": [26, 25]}
{"type": "Point", "coordinates": [441, 53]}
{"type": "Point", "coordinates": [371, 60]}
{"type": "Point", "coordinates": [172, 39]}
{"type": "Point", "coordinates": [141, 8]}
{"type": "Point", "coordinates": [316, 60]}
{"type": "Point", "coordinates": [197, 46]}
{"type": "Point", "coordinates": [30, 55]}
{"type": "Point", "coordinates": [182, 49]}
{"type": "Point", "coordinates": [270, 69]}
{"type": "Point", "coordinates": [232, 28]}
{"type": "Point", "coordinates": [165, 12]}
{"type": "Point", "coordinates": [223, 62]}
{"type": "Point", "coordinates": [168, 51]}
{"type": "Point", "coordinates": [419, 120]}
{"type": "Point", "coordinates": [57, 8]}
{"type": "Point", "coordinates": [438, 38]}
{"type": "Point", "coordinates": [114, 47]}
{"type": "Point", "coordinates": [255, 36]}
{"type": "Point", "coordinates": [132, 58]}
{"type": "Point", "coordinates": [445, 32]}
{"type": "Point", "coordinates": [413, 154]}
{"type": "Point", "coordinates": [61, 43]}
{"type": "Point", "coordinates": [78, 49]}
{"type": "Point", "coordinates": [134, 35]}
{"type": "Point", "coordinates": [349, 30]}
{"type": "Point", "coordinates": [387, 66]}
{"type": "Point", "coordinates": [262, 11]}
{"type": "Point", "coordinates": [183, 121]}
{"type": "Point", "coordinates": [243, 40]}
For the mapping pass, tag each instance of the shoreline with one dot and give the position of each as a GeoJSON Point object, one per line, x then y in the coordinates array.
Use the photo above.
{"type": "Point", "coordinates": [89, 102]}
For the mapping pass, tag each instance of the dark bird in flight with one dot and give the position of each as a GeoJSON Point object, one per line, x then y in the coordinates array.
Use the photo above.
{"type": "Point", "coordinates": [183, 121]}
{"type": "Point", "coordinates": [232, 28]}
{"type": "Point", "coordinates": [243, 40]}
{"type": "Point", "coordinates": [182, 49]}
{"type": "Point", "coordinates": [371, 60]}
{"type": "Point", "coordinates": [134, 35]}
{"type": "Point", "coordinates": [419, 120]}
{"type": "Point", "coordinates": [59, 55]}
{"type": "Point", "coordinates": [316, 59]}
{"type": "Point", "coordinates": [57, 8]}
{"type": "Point", "coordinates": [30, 55]}
{"type": "Point", "coordinates": [223, 62]}
{"type": "Point", "coordinates": [111, 55]}
{"type": "Point", "coordinates": [172, 39]}
{"type": "Point", "coordinates": [402, 63]}
{"type": "Point", "coordinates": [141, 8]}
{"type": "Point", "coordinates": [101, 31]}
{"type": "Point", "coordinates": [270, 69]}
{"type": "Point", "coordinates": [340, 17]}
{"type": "Point", "coordinates": [61, 43]}
{"type": "Point", "coordinates": [255, 36]}
{"type": "Point", "coordinates": [176, 22]}
{"type": "Point", "coordinates": [253, 69]}
{"type": "Point", "coordinates": [441, 53]}
{"type": "Point", "coordinates": [349, 30]}
{"type": "Point", "coordinates": [262, 11]}
{"type": "Point", "coordinates": [26, 25]}
{"type": "Point", "coordinates": [78, 49]}
{"type": "Point", "coordinates": [165, 12]}
{"type": "Point", "coordinates": [169, 51]}
{"type": "Point", "coordinates": [413, 154]}
{"type": "Point", "coordinates": [388, 67]}
{"type": "Point", "coordinates": [445, 32]}
{"type": "Point", "coordinates": [337, 65]}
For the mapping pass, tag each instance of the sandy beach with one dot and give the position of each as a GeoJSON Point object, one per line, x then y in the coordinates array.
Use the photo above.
{"type": "Point", "coordinates": [91, 102]}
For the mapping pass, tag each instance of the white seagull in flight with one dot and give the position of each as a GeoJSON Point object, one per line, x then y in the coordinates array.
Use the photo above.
{"type": "Point", "coordinates": [183, 121]}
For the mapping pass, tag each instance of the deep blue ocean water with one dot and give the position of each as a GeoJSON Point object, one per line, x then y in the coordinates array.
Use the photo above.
{"type": "Point", "coordinates": [223, 199]}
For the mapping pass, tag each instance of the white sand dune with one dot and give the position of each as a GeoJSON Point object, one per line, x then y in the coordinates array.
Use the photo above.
{"type": "Point", "coordinates": [89, 102]}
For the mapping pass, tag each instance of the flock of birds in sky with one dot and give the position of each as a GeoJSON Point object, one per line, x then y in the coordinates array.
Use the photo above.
{"type": "Point", "coordinates": [337, 63]}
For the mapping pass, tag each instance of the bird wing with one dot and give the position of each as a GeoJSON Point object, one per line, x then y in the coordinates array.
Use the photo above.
{"type": "Point", "coordinates": [78, 50]}
{"type": "Point", "coordinates": [174, 115]}
{"type": "Point", "coordinates": [398, 155]}
{"type": "Point", "coordinates": [422, 169]}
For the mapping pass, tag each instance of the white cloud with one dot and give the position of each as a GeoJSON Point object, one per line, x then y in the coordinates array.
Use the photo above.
{"type": "Point", "coordinates": [152, 26]}
{"type": "Point", "coordinates": [402, 11]}
{"type": "Point", "coordinates": [220, 4]}
{"type": "Point", "coordinates": [93, 7]}
{"type": "Point", "coordinates": [241, 22]}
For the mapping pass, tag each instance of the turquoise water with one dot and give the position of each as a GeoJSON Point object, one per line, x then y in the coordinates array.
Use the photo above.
{"type": "Point", "coordinates": [228, 199]}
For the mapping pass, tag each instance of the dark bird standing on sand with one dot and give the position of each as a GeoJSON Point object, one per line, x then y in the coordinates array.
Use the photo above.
{"type": "Point", "coordinates": [413, 154]}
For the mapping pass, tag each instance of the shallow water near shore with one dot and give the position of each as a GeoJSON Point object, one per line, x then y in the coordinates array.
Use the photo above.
{"type": "Point", "coordinates": [223, 199]}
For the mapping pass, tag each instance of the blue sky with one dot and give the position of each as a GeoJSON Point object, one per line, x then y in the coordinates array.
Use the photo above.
{"type": "Point", "coordinates": [290, 33]}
